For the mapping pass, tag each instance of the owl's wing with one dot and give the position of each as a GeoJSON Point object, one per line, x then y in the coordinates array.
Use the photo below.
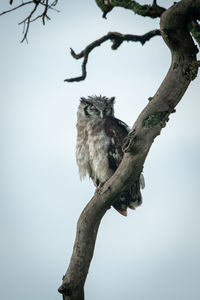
{"type": "Point", "coordinates": [116, 130]}
{"type": "Point", "coordinates": [123, 125]}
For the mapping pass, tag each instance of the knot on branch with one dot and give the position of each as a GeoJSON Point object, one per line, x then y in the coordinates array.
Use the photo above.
{"type": "Point", "coordinates": [64, 290]}
{"type": "Point", "coordinates": [116, 38]}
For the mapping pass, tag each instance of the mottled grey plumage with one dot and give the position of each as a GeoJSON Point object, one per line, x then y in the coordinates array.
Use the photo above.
{"type": "Point", "coordinates": [99, 147]}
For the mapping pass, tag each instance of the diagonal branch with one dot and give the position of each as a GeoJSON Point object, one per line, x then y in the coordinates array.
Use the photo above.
{"type": "Point", "coordinates": [117, 39]}
{"type": "Point", "coordinates": [153, 118]}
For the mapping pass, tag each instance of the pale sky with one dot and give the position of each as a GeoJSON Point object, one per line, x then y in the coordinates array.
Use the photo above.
{"type": "Point", "coordinates": [153, 254]}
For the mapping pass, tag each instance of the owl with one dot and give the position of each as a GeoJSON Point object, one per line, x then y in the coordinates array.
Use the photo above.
{"type": "Point", "coordinates": [99, 152]}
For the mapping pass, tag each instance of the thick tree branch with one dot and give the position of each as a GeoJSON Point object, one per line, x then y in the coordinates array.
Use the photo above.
{"type": "Point", "coordinates": [152, 11]}
{"type": "Point", "coordinates": [117, 39]}
{"type": "Point", "coordinates": [147, 127]}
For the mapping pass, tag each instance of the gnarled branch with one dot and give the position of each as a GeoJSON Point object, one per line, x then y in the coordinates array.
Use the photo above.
{"type": "Point", "coordinates": [152, 11]}
{"type": "Point", "coordinates": [117, 39]}
{"type": "Point", "coordinates": [147, 127]}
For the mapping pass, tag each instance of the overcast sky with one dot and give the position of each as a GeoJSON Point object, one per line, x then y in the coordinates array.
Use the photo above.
{"type": "Point", "coordinates": [153, 254]}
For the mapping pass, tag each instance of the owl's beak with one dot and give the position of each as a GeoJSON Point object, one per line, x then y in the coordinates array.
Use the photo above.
{"type": "Point", "coordinates": [101, 114]}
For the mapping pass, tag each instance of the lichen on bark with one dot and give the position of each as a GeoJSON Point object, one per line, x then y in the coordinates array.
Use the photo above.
{"type": "Point", "coordinates": [152, 11]}
{"type": "Point", "coordinates": [160, 117]}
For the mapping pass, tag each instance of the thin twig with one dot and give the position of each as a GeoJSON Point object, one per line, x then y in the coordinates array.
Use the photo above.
{"type": "Point", "coordinates": [51, 6]}
{"type": "Point", "coordinates": [117, 39]}
{"type": "Point", "coordinates": [27, 21]}
{"type": "Point", "coordinates": [32, 17]}
{"type": "Point", "coordinates": [14, 8]}
{"type": "Point", "coordinates": [45, 12]}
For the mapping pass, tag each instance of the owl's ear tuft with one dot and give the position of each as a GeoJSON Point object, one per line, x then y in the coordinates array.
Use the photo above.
{"type": "Point", "coordinates": [112, 100]}
{"type": "Point", "coordinates": [83, 100]}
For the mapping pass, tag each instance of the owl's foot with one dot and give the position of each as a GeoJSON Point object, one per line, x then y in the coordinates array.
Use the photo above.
{"type": "Point", "coordinates": [97, 183]}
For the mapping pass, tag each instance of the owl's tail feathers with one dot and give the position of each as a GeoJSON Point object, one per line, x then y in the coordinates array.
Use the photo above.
{"type": "Point", "coordinates": [136, 197]}
{"type": "Point", "coordinates": [126, 200]}
{"type": "Point", "coordinates": [131, 198]}
{"type": "Point", "coordinates": [136, 201]}
{"type": "Point", "coordinates": [121, 207]}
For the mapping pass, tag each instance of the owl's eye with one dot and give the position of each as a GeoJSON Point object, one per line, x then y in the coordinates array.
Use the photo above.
{"type": "Point", "coordinates": [92, 107]}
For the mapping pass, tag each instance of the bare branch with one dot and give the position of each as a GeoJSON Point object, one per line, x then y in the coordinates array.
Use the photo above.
{"type": "Point", "coordinates": [117, 39]}
{"type": "Point", "coordinates": [32, 17]}
{"type": "Point", "coordinates": [14, 8]}
{"type": "Point", "coordinates": [45, 12]}
{"type": "Point", "coordinates": [27, 21]}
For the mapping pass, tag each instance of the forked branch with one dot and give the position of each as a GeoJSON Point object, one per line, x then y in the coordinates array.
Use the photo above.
{"type": "Point", "coordinates": [117, 39]}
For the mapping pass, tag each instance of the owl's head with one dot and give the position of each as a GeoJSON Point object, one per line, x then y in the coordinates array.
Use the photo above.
{"type": "Point", "coordinates": [97, 106]}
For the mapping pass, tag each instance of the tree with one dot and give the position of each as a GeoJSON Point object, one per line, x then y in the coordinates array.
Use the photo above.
{"type": "Point", "coordinates": [175, 32]}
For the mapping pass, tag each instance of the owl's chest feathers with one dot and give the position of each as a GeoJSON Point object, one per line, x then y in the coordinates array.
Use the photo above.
{"type": "Point", "coordinates": [92, 156]}
{"type": "Point", "coordinates": [82, 149]}
{"type": "Point", "coordinates": [99, 144]}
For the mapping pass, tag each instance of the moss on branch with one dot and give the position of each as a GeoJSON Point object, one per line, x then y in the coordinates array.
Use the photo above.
{"type": "Point", "coordinates": [152, 11]}
{"type": "Point", "coordinates": [160, 117]}
{"type": "Point", "coordinates": [104, 6]}
{"type": "Point", "coordinates": [192, 70]}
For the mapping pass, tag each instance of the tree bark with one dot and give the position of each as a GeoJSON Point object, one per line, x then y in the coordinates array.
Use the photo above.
{"type": "Point", "coordinates": [149, 124]}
